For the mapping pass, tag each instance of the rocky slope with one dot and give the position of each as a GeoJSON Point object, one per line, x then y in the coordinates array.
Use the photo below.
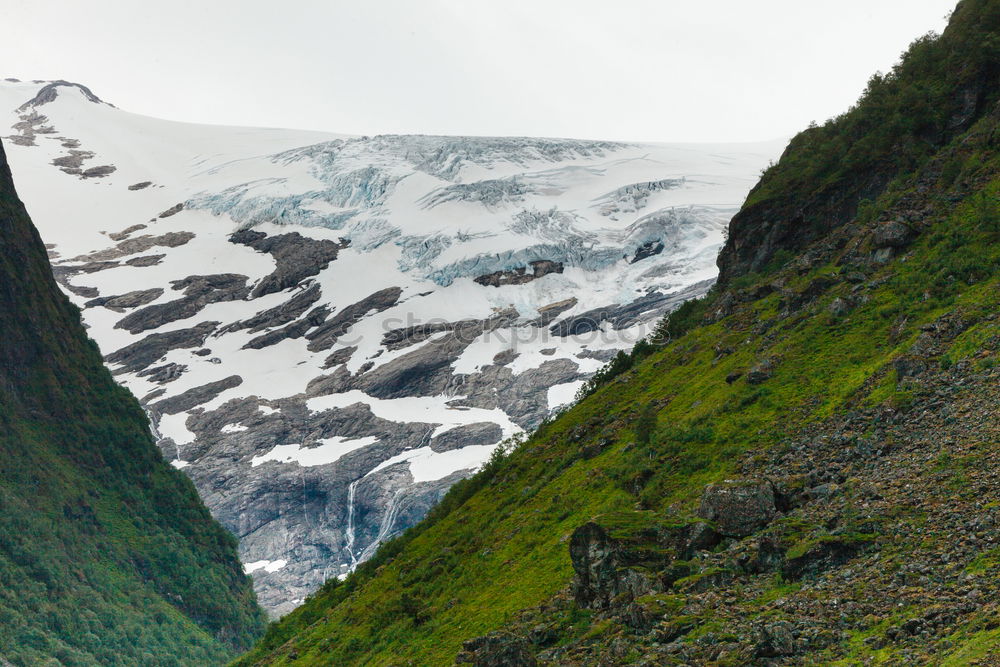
{"type": "Point", "coordinates": [327, 332]}
{"type": "Point", "coordinates": [107, 556]}
{"type": "Point", "coordinates": [804, 474]}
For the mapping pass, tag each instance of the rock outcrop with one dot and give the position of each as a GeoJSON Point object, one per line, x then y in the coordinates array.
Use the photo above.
{"type": "Point", "coordinates": [738, 508]}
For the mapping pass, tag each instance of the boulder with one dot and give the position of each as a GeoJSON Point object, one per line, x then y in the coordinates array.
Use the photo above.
{"type": "Point", "coordinates": [620, 557]}
{"type": "Point", "coordinates": [892, 235]}
{"type": "Point", "coordinates": [606, 568]}
{"type": "Point", "coordinates": [821, 554]}
{"type": "Point", "coordinates": [839, 307]}
{"type": "Point", "coordinates": [497, 649]}
{"type": "Point", "coordinates": [761, 372]}
{"type": "Point", "coordinates": [775, 640]}
{"type": "Point", "coordinates": [738, 507]}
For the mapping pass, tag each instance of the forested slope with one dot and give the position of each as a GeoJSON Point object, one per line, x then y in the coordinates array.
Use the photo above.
{"type": "Point", "coordinates": [107, 556]}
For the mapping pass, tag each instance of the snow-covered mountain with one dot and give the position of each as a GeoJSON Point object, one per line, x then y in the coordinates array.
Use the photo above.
{"type": "Point", "coordinates": [328, 331]}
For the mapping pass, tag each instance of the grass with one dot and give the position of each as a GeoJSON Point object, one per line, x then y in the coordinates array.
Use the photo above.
{"type": "Point", "coordinates": [499, 545]}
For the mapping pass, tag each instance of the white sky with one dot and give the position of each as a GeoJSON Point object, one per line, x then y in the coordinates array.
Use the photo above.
{"type": "Point", "coordinates": [654, 70]}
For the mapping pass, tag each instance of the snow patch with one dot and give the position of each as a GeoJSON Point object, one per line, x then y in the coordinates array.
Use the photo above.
{"type": "Point", "coordinates": [329, 451]}
{"type": "Point", "coordinates": [426, 465]}
{"type": "Point", "coordinates": [266, 565]}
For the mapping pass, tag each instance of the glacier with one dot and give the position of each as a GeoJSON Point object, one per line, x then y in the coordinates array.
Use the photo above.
{"type": "Point", "coordinates": [327, 331]}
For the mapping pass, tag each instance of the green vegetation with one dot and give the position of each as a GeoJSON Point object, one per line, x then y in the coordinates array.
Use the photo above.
{"type": "Point", "coordinates": [107, 557]}
{"type": "Point", "coordinates": [657, 425]}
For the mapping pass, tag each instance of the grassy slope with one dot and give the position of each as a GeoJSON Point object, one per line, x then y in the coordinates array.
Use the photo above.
{"type": "Point", "coordinates": [498, 543]}
{"type": "Point", "coordinates": [107, 556]}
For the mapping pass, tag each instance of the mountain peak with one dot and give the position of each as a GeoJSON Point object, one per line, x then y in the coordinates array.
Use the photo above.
{"type": "Point", "coordinates": [50, 91]}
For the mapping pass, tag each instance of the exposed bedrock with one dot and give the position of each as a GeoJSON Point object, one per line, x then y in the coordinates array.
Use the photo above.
{"type": "Point", "coordinates": [141, 354]}
{"type": "Point", "coordinates": [524, 397]}
{"type": "Point", "coordinates": [195, 396]}
{"type": "Point", "coordinates": [325, 335]}
{"type": "Point", "coordinates": [49, 92]}
{"type": "Point", "coordinates": [481, 433]}
{"type": "Point", "coordinates": [145, 260]}
{"type": "Point", "coordinates": [397, 339]}
{"type": "Point", "coordinates": [136, 245]}
{"type": "Point", "coordinates": [648, 249]}
{"type": "Point", "coordinates": [199, 291]}
{"type": "Point", "coordinates": [123, 302]}
{"type": "Point", "coordinates": [297, 329]}
{"type": "Point", "coordinates": [646, 308]}
{"type": "Point", "coordinates": [307, 514]}
{"type": "Point", "coordinates": [125, 233]}
{"type": "Point", "coordinates": [521, 275]}
{"type": "Point", "coordinates": [162, 375]}
{"type": "Point", "coordinates": [426, 371]}
{"type": "Point", "coordinates": [279, 315]}
{"type": "Point", "coordinates": [297, 257]}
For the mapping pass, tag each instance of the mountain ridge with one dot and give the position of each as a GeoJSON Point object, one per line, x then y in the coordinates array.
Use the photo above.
{"type": "Point", "coordinates": [799, 470]}
{"type": "Point", "coordinates": [107, 555]}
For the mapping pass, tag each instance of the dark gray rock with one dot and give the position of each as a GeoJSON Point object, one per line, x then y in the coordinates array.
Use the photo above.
{"type": "Point", "coordinates": [548, 313]}
{"type": "Point", "coordinates": [761, 372]}
{"type": "Point", "coordinates": [297, 329]}
{"type": "Point", "coordinates": [341, 356]}
{"type": "Point", "coordinates": [600, 355]}
{"type": "Point", "coordinates": [775, 640]}
{"type": "Point", "coordinates": [397, 339]}
{"type": "Point", "coordinates": [325, 335]}
{"type": "Point", "coordinates": [738, 507]}
{"type": "Point", "coordinates": [824, 553]}
{"type": "Point", "coordinates": [609, 569]}
{"type": "Point", "coordinates": [145, 260]}
{"type": "Point", "coordinates": [644, 308]}
{"type": "Point", "coordinates": [125, 233]}
{"type": "Point", "coordinates": [297, 257]}
{"type": "Point", "coordinates": [173, 210]}
{"type": "Point", "coordinates": [279, 315]}
{"type": "Point", "coordinates": [99, 171]}
{"type": "Point", "coordinates": [199, 291]}
{"type": "Point", "coordinates": [892, 235]}
{"type": "Point", "coordinates": [706, 581]}
{"type": "Point", "coordinates": [332, 383]}
{"type": "Point", "coordinates": [482, 433]}
{"type": "Point", "coordinates": [49, 92]}
{"type": "Point", "coordinates": [646, 250]}
{"type": "Point", "coordinates": [505, 357]}
{"type": "Point", "coordinates": [497, 649]}
{"type": "Point", "coordinates": [72, 162]}
{"type": "Point", "coordinates": [136, 245]}
{"type": "Point", "coordinates": [164, 374]}
{"type": "Point", "coordinates": [195, 396]}
{"type": "Point", "coordinates": [140, 186]}
{"type": "Point", "coordinates": [524, 397]}
{"type": "Point", "coordinates": [122, 302]}
{"type": "Point", "coordinates": [520, 275]}
{"type": "Point", "coordinates": [141, 354]}
{"type": "Point", "coordinates": [425, 371]}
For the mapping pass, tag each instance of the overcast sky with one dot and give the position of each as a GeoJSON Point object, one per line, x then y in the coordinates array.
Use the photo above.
{"type": "Point", "coordinates": [654, 70]}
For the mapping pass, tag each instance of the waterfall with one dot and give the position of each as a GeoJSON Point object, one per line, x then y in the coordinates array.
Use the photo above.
{"type": "Point", "coordinates": [385, 529]}
{"type": "Point", "coordinates": [349, 531]}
